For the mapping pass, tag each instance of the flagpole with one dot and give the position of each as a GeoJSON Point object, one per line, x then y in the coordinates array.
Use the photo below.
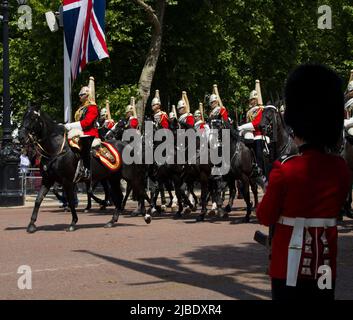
{"type": "Point", "coordinates": [67, 85]}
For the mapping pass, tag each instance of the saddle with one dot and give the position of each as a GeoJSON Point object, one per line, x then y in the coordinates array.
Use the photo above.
{"type": "Point", "coordinates": [108, 155]}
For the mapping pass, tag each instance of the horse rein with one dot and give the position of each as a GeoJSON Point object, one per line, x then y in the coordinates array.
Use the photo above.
{"type": "Point", "coordinates": [43, 152]}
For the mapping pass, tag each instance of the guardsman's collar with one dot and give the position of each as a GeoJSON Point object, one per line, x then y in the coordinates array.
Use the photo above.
{"type": "Point", "coordinates": [310, 146]}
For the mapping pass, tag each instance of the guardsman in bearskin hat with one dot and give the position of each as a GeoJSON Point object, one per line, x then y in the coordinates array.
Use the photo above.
{"type": "Point", "coordinates": [86, 120]}
{"type": "Point", "coordinates": [160, 117]}
{"type": "Point", "coordinates": [306, 191]}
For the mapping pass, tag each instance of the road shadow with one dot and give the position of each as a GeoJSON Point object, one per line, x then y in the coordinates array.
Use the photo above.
{"type": "Point", "coordinates": [248, 260]}
{"type": "Point", "coordinates": [63, 227]}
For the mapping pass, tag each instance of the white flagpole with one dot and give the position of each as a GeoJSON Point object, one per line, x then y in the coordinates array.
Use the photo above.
{"type": "Point", "coordinates": [67, 85]}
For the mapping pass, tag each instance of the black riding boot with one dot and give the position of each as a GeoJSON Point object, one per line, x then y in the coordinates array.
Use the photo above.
{"type": "Point", "coordinates": [86, 142]}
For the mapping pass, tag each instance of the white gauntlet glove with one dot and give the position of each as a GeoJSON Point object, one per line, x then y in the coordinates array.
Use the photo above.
{"type": "Point", "coordinates": [73, 125]}
{"type": "Point", "coordinates": [246, 127]}
{"type": "Point", "coordinates": [348, 123]}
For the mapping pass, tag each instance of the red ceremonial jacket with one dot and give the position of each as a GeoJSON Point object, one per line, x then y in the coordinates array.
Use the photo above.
{"type": "Point", "coordinates": [256, 122]}
{"type": "Point", "coordinates": [109, 124]}
{"type": "Point", "coordinates": [224, 114]}
{"type": "Point", "coordinates": [200, 125]}
{"type": "Point", "coordinates": [133, 123]}
{"type": "Point", "coordinates": [313, 184]}
{"type": "Point", "coordinates": [164, 121]}
{"type": "Point", "coordinates": [88, 119]}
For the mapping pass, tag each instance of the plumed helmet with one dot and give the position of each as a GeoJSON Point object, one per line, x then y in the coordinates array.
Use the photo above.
{"type": "Point", "coordinates": [213, 98]}
{"type": "Point", "coordinates": [350, 86]}
{"type": "Point", "coordinates": [85, 91]}
{"type": "Point", "coordinates": [155, 101]}
{"type": "Point", "coordinates": [103, 112]}
{"type": "Point", "coordinates": [129, 108]}
{"type": "Point", "coordinates": [197, 113]}
{"type": "Point", "coordinates": [253, 95]}
{"type": "Point", "coordinates": [181, 104]}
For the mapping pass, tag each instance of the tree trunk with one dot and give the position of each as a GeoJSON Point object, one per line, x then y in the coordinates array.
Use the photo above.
{"type": "Point", "coordinates": [149, 68]}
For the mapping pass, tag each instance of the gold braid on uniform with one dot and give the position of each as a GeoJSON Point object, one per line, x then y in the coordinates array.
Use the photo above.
{"type": "Point", "coordinates": [252, 113]}
{"type": "Point", "coordinates": [81, 109]}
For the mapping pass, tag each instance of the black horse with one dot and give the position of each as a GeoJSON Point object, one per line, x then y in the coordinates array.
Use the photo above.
{"type": "Point", "coordinates": [59, 164]}
{"type": "Point", "coordinates": [273, 125]}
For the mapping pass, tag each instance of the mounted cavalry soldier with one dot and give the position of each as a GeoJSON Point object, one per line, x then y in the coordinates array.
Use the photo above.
{"type": "Point", "coordinates": [186, 119]}
{"type": "Point", "coordinates": [200, 123]}
{"type": "Point", "coordinates": [160, 117]}
{"type": "Point", "coordinates": [131, 119]}
{"type": "Point", "coordinates": [251, 130]}
{"type": "Point", "coordinates": [86, 121]}
{"type": "Point", "coordinates": [131, 115]}
{"type": "Point", "coordinates": [218, 112]}
{"type": "Point", "coordinates": [105, 121]}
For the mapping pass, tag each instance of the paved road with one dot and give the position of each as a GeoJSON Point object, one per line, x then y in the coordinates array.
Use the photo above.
{"type": "Point", "coordinates": [167, 259]}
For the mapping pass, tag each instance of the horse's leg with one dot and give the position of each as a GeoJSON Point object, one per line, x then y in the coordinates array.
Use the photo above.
{"type": "Point", "coordinates": [219, 199]}
{"type": "Point", "coordinates": [69, 188]}
{"type": "Point", "coordinates": [169, 188]}
{"type": "Point", "coordinates": [147, 198]}
{"type": "Point", "coordinates": [189, 205]}
{"type": "Point", "coordinates": [253, 187]}
{"type": "Point", "coordinates": [154, 196]}
{"type": "Point", "coordinates": [232, 195]}
{"type": "Point", "coordinates": [204, 196]}
{"type": "Point", "coordinates": [163, 200]}
{"type": "Point", "coordinates": [347, 208]}
{"type": "Point", "coordinates": [89, 198]}
{"type": "Point", "coordinates": [138, 189]}
{"type": "Point", "coordinates": [194, 196]}
{"type": "Point", "coordinates": [117, 197]}
{"type": "Point", "coordinates": [127, 194]}
{"type": "Point", "coordinates": [44, 189]}
{"type": "Point", "coordinates": [106, 194]}
{"type": "Point", "coordinates": [178, 193]}
{"type": "Point", "coordinates": [246, 194]}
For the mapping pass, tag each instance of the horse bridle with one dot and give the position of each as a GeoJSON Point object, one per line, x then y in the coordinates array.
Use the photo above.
{"type": "Point", "coordinates": [39, 147]}
{"type": "Point", "coordinates": [285, 147]}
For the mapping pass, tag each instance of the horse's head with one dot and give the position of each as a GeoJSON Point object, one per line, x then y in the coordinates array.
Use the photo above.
{"type": "Point", "coordinates": [32, 125]}
{"type": "Point", "coordinates": [268, 121]}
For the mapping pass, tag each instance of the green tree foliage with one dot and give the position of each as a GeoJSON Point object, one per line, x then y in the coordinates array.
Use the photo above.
{"type": "Point", "coordinates": [228, 42]}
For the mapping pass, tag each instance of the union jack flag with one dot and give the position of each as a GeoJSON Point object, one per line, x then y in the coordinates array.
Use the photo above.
{"type": "Point", "coordinates": [84, 32]}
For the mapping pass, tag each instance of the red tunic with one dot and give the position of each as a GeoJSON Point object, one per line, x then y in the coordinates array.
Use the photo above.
{"type": "Point", "coordinates": [311, 185]}
{"type": "Point", "coordinates": [256, 122]}
{"type": "Point", "coordinates": [190, 120]}
{"type": "Point", "coordinates": [133, 123]}
{"type": "Point", "coordinates": [200, 125]}
{"type": "Point", "coordinates": [164, 121]}
{"type": "Point", "coordinates": [109, 124]}
{"type": "Point", "coordinates": [88, 121]}
{"type": "Point", "coordinates": [224, 113]}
